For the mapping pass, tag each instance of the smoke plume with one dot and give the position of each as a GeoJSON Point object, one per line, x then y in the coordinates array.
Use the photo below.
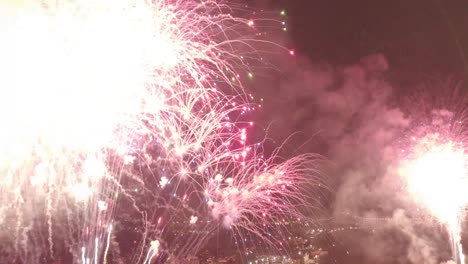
{"type": "Point", "coordinates": [351, 115]}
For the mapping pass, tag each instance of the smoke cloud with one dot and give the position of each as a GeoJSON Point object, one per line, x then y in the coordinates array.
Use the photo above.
{"type": "Point", "coordinates": [352, 116]}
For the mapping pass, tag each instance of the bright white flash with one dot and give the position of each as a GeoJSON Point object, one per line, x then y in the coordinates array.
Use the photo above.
{"type": "Point", "coordinates": [437, 178]}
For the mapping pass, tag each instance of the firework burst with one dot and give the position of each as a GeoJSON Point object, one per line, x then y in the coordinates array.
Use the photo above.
{"type": "Point", "coordinates": [106, 105]}
{"type": "Point", "coordinates": [434, 168]}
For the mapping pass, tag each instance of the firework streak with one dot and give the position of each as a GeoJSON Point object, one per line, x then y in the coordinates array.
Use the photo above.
{"type": "Point", "coordinates": [128, 113]}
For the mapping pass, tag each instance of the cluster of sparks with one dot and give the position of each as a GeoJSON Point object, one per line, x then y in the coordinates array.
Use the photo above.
{"type": "Point", "coordinates": [102, 99]}
{"type": "Point", "coordinates": [436, 176]}
{"type": "Point", "coordinates": [103, 102]}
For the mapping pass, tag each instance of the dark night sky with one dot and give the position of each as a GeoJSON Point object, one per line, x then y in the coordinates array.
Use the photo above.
{"type": "Point", "coordinates": [417, 36]}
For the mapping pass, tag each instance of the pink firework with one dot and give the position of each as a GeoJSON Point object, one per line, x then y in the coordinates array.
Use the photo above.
{"type": "Point", "coordinates": [103, 100]}
{"type": "Point", "coordinates": [254, 199]}
{"type": "Point", "coordinates": [434, 169]}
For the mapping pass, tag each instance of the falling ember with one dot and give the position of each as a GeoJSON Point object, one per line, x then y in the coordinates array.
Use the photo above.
{"type": "Point", "coordinates": [436, 177]}
{"type": "Point", "coordinates": [163, 182]}
{"type": "Point", "coordinates": [152, 252]}
{"type": "Point", "coordinates": [102, 205]}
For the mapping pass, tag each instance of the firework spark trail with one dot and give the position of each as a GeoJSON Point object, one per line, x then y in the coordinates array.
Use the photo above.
{"type": "Point", "coordinates": [65, 120]}
{"type": "Point", "coordinates": [92, 89]}
{"type": "Point", "coordinates": [258, 193]}
{"type": "Point", "coordinates": [435, 172]}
